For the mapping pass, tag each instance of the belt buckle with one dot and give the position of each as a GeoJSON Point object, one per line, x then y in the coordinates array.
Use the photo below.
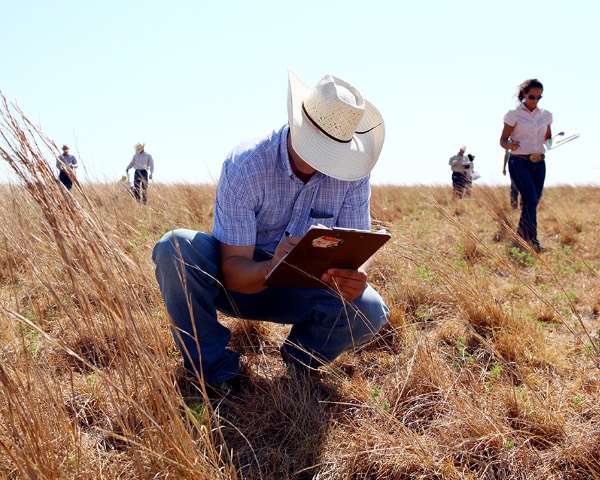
{"type": "Point", "coordinates": [536, 157]}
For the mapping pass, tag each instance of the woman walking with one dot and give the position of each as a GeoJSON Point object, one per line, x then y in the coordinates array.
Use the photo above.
{"type": "Point", "coordinates": [528, 127]}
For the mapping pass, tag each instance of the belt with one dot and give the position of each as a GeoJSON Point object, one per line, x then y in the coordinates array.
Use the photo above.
{"type": "Point", "coordinates": [533, 158]}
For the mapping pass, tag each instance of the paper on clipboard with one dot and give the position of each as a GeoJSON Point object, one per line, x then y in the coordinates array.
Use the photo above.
{"type": "Point", "coordinates": [561, 138]}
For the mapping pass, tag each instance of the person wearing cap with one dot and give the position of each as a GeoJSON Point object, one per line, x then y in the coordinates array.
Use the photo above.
{"type": "Point", "coordinates": [143, 164]}
{"type": "Point", "coordinates": [526, 129]}
{"type": "Point", "coordinates": [66, 165]}
{"type": "Point", "coordinates": [315, 169]}
{"type": "Point", "coordinates": [461, 166]}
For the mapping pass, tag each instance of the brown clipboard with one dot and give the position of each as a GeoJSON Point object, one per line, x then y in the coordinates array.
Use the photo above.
{"type": "Point", "coordinates": [320, 249]}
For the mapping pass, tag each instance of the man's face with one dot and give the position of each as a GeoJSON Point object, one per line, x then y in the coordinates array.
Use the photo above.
{"type": "Point", "coordinates": [65, 151]}
{"type": "Point", "coordinates": [299, 164]}
{"type": "Point", "coordinates": [303, 166]}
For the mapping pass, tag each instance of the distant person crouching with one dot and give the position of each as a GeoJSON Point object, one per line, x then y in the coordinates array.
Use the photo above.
{"type": "Point", "coordinates": [66, 165]}
{"type": "Point", "coordinates": [143, 164]}
{"type": "Point", "coordinates": [126, 185]}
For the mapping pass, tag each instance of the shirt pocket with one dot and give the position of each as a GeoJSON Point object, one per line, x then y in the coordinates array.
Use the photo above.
{"type": "Point", "coordinates": [323, 215]}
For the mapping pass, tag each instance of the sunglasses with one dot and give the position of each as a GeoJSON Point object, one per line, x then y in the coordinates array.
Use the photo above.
{"type": "Point", "coordinates": [533, 97]}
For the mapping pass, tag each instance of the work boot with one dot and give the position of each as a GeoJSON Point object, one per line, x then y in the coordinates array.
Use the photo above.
{"type": "Point", "coordinates": [191, 389]}
{"type": "Point", "coordinates": [294, 366]}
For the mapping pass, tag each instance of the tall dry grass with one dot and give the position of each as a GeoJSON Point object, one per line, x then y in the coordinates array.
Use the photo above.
{"type": "Point", "coordinates": [488, 368]}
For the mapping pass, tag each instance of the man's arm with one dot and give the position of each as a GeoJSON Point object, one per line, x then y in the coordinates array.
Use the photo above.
{"type": "Point", "coordinates": [244, 275]}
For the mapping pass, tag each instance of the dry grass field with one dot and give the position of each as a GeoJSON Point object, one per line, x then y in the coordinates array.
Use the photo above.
{"type": "Point", "coordinates": [488, 369]}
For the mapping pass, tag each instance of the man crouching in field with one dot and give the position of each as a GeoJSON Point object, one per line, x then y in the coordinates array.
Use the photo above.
{"type": "Point", "coordinates": [266, 199]}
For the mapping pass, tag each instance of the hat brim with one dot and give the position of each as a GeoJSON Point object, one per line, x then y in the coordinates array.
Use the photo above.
{"type": "Point", "coordinates": [345, 161]}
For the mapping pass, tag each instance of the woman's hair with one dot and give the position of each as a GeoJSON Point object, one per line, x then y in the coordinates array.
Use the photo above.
{"type": "Point", "coordinates": [526, 85]}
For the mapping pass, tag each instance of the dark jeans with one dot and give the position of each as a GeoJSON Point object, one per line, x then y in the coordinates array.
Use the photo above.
{"type": "Point", "coordinates": [65, 180]}
{"type": "Point", "coordinates": [140, 185]}
{"type": "Point", "coordinates": [529, 178]}
{"type": "Point", "coordinates": [459, 184]}
{"type": "Point", "coordinates": [514, 195]}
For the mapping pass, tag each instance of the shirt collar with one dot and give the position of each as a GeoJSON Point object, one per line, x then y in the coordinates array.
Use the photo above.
{"type": "Point", "coordinates": [531, 112]}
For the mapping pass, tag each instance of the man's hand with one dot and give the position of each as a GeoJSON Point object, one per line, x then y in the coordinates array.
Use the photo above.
{"type": "Point", "coordinates": [348, 283]}
{"type": "Point", "coordinates": [284, 247]}
{"type": "Point", "coordinates": [242, 274]}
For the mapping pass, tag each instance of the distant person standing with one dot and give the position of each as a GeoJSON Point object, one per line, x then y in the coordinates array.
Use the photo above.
{"type": "Point", "coordinates": [461, 166]}
{"type": "Point", "coordinates": [514, 193]}
{"type": "Point", "coordinates": [143, 164]}
{"type": "Point", "coordinates": [528, 127]}
{"type": "Point", "coordinates": [66, 165]}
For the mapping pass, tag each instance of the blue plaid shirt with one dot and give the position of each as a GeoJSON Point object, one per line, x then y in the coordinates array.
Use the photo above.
{"type": "Point", "coordinates": [259, 198]}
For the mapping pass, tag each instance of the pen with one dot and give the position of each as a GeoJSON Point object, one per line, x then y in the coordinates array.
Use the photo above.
{"type": "Point", "coordinates": [314, 214]}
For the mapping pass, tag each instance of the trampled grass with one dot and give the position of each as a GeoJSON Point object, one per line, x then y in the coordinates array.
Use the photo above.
{"type": "Point", "coordinates": [489, 367]}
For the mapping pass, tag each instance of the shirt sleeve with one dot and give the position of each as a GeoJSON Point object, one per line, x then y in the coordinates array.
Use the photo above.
{"type": "Point", "coordinates": [355, 211]}
{"type": "Point", "coordinates": [130, 163]}
{"type": "Point", "coordinates": [234, 221]}
{"type": "Point", "coordinates": [510, 118]}
{"type": "Point", "coordinates": [151, 164]}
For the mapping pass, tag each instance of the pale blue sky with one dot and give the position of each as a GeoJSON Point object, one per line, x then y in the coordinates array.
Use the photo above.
{"type": "Point", "coordinates": [191, 79]}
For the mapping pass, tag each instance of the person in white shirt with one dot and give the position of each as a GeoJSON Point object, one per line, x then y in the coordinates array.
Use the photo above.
{"type": "Point", "coordinates": [66, 165]}
{"type": "Point", "coordinates": [528, 127]}
{"type": "Point", "coordinates": [143, 164]}
{"type": "Point", "coordinates": [461, 166]}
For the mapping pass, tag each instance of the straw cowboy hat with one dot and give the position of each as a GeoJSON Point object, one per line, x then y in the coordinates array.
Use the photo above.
{"type": "Point", "coordinates": [333, 128]}
{"type": "Point", "coordinates": [139, 147]}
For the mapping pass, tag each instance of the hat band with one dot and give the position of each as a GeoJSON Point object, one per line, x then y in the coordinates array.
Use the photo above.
{"type": "Point", "coordinates": [328, 134]}
{"type": "Point", "coordinates": [320, 129]}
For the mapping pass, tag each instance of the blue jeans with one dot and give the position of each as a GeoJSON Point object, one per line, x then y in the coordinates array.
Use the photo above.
{"type": "Point", "coordinates": [65, 179]}
{"type": "Point", "coordinates": [189, 276]}
{"type": "Point", "coordinates": [140, 185]}
{"type": "Point", "coordinates": [529, 178]}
